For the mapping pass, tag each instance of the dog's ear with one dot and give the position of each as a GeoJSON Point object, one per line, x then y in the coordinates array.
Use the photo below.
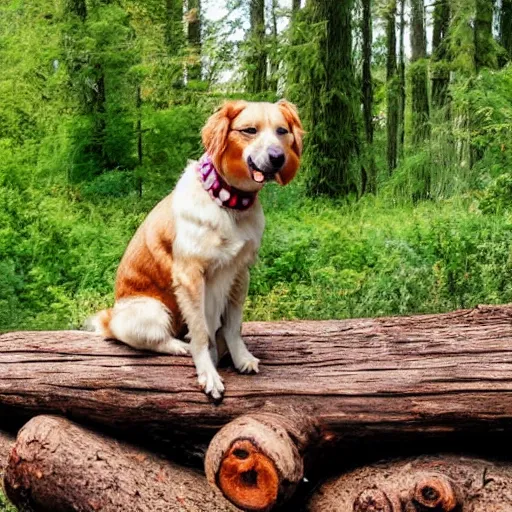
{"type": "Point", "coordinates": [216, 129]}
{"type": "Point", "coordinates": [291, 115]}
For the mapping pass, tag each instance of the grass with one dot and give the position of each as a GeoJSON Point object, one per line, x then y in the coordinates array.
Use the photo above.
{"type": "Point", "coordinates": [319, 259]}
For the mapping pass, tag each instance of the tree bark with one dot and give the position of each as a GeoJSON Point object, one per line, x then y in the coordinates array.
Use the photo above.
{"type": "Point", "coordinates": [56, 466]}
{"type": "Point", "coordinates": [392, 87]}
{"type": "Point", "coordinates": [485, 56]}
{"type": "Point", "coordinates": [369, 179]}
{"type": "Point", "coordinates": [411, 378]}
{"type": "Point", "coordinates": [401, 83]}
{"type": "Point", "coordinates": [418, 74]}
{"type": "Point", "coordinates": [440, 69]}
{"type": "Point", "coordinates": [440, 483]}
{"type": "Point", "coordinates": [257, 460]}
{"type": "Point", "coordinates": [6, 445]}
{"type": "Point", "coordinates": [194, 39]}
{"type": "Point", "coordinates": [257, 57]}
{"type": "Point", "coordinates": [332, 104]}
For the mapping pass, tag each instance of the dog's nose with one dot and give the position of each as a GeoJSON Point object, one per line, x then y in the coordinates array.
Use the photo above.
{"type": "Point", "coordinates": [276, 157]}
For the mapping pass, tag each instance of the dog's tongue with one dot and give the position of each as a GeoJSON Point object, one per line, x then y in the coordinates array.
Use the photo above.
{"type": "Point", "coordinates": [258, 176]}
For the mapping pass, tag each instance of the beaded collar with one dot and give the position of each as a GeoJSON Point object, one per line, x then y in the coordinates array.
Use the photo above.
{"type": "Point", "coordinates": [221, 192]}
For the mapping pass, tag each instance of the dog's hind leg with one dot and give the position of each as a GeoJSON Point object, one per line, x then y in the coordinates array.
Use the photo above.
{"type": "Point", "coordinates": [143, 323]}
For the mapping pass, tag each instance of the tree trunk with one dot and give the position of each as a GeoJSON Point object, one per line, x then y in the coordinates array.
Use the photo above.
{"type": "Point", "coordinates": [194, 39]}
{"type": "Point", "coordinates": [367, 94]}
{"type": "Point", "coordinates": [56, 466]}
{"type": "Point", "coordinates": [295, 6]}
{"type": "Point", "coordinates": [274, 57]}
{"type": "Point", "coordinates": [332, 103]}
{"type": "Point", "coordinates": [485, 55]}
{"type": "Point", "coordinates": [6, 445]}
{"type": "Point", "coordinates": [173, 26]}
{"type": "Point", "coordinates": [257, 461]}
{"type": "Point", "coordinates": [392, 87]}
{"type": "Point", "coordinates": [401, 83]}
{"type": "Point", "coordinates": [410, 378]}
{"type": "Point", "coordinates": [440, 67]}
{"type": "Point", "coordinates": [257, 56]}
{"type": "Point", "coordinates": [506, 27]}
{"type": "Point", "coordinates": [440, 483]}
{"type": "Point", "coordinates": [418, 74]}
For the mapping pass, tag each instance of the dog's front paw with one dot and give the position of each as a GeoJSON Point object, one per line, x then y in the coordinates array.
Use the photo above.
{"type": "Point", "coordinates": [248, 364]}
{"type": "Point", "coordinates": [211, 383]}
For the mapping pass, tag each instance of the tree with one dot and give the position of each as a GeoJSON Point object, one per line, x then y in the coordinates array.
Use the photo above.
{"type": "Point", "coordinates": [274, 54]}
{"type": "Point", "coordinates": [418, 74]}
{"type": "Point", "coordinates": [257, 56]}
{"type": "Point", "coordinates": [368, 179]}
{"type": "Point", "coordinates": [485, 56]}
{"type": "Point", "coordinates": [440, 66]}
{"type": "Point", "coordinates": [401, 82]}
{"type": "Point", "coordinates": [506, 27]}
{"type": "Point", "coordinates": [330, 99]}
{"type": "Point", "coordinates": [194, 39]}
{"type": "Point", "coordinates": [392, 87]}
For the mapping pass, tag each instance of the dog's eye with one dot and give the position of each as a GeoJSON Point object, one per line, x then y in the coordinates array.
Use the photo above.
{"type": "Point", "coordinates": [251, 130]}
{"type": "Point", "coordinates": [282, 131]}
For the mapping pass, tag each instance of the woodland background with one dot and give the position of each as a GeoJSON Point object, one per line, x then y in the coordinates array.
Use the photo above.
{"type": "Point", "coordinates": [404, 201]}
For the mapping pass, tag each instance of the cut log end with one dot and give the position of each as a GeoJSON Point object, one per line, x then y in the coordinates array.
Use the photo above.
{"type": "Point", "coordinates": [248, 477]}
{"type": "Point", "coordinates": [257, 460]}
{"type": "Point", "coordinates": [435, 492]}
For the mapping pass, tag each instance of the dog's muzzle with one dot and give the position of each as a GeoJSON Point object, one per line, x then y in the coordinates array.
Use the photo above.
{"type": "Point", "coordinates": [267, 165]}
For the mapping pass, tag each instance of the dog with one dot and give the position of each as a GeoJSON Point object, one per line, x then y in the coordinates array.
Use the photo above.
{"type": "Point", "coordinates": [185, 273]}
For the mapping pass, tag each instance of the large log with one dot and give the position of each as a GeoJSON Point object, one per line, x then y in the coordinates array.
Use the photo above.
{"type": "Point", "coordinates": [57, 466]}
{"type": "Point", "coordinates": [441, 483]}
{"type": "Point", "coordinates": [371, 379]}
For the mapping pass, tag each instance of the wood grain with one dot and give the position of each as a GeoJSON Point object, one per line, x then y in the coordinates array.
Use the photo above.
{"type": "Point", "coordinates": [362, 379]}
{"type": "Point", "coordinates": [439, 483]}
{"type": "Point", "coordinates": [57, 466]}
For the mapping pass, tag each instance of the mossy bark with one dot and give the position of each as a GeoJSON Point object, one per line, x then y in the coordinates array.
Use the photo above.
{"type": "Point", "coordinates": [332, 105]}
{"type": "Point", "coordinates": [257, 56]}
{"type": "Point", "coordinates": [392, 87]}
{"type": "Point", "coordinates": [194, 39]}
{"type": "Point", "coordinates": [485, 56]}
{"type": "Point", "coordinates": [368, 177]}
{"type": "Point", "coordinates": [440, 69]}
{"type": "Point", "coordinates": [418, 74]}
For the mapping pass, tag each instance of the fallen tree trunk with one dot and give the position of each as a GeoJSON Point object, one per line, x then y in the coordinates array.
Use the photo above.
{"type": "Point", "coordinates": [434, 483]}
{"type": "Point", "coordinates": [6, 445]}
{"type": "Point", "coordinates": [371, 379]}
{"type": "Point", "coordinates": [56, 466]}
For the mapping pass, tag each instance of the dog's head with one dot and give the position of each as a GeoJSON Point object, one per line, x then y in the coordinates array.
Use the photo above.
{"type": "Point", "coordinates": [251, 143]}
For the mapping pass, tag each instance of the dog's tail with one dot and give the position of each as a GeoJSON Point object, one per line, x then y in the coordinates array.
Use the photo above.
{"type": "Point", "coordinates": [100, 323]}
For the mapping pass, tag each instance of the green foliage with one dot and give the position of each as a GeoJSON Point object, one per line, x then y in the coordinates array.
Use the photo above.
{"type": "Point", "coordinates": [5, 506]}
{"type": "Point", "coordinates": [436, 237]}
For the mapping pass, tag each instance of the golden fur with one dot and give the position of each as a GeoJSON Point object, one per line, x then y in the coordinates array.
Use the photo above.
{"type": "Point", "coordinates": [186, 268]}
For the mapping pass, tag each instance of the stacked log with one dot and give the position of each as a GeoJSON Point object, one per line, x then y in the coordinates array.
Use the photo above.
{"type": "Point", "coordinates": [330, 395]}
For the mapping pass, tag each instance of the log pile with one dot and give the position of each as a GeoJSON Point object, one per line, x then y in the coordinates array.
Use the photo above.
{"type": "Point", "coordinates": [111, 428]}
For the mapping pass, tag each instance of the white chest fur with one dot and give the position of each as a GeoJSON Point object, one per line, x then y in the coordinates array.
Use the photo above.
{"type": "Point", "coordinates": [224, 241]}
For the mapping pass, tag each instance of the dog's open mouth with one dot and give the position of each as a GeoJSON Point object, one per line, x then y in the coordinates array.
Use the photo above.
{"type": "Point", "coordinates": [257, 174]}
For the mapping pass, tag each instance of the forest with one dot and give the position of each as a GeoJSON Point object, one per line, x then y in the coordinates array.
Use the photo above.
{"type": "Point", "coordinates": [403, 203]}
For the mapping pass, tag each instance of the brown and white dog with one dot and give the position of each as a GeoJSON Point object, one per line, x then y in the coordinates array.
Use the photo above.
{"type": "Point", "coordinates": [187, 267]}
